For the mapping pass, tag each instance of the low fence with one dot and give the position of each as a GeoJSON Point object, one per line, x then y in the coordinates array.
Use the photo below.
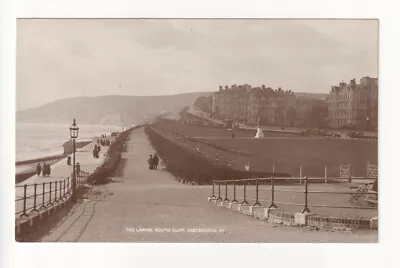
{"type": "Point", "coordinates": [31, 198]}
{"type": "Point", "coordinates": [248, 191]}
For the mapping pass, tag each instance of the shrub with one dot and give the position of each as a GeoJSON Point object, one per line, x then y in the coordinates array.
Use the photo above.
{"type": "Point", "coordinates": [112, 157]}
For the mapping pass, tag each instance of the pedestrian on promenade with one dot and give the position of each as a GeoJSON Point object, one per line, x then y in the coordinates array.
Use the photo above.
{"type": "Point", "coordinates": [48, 170]}
{"type": "Point", "coordinates": [150, 161]}
{"type": "Point", "coordinates": [44, 171]}
{"type": "Point", "coordinates": [38, 169]}
{"type": "Point", "coordinates": [78, 170]}
{"type": "Point", "coordinates": [155, 160]}
{"type": "Point", "coordinates": [69, 160]}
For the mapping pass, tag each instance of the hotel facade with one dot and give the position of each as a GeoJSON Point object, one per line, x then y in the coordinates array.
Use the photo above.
{"type": "Point", "coordinates": [245, 104]}
{"type": "Point", "coordinates": [354, 105]}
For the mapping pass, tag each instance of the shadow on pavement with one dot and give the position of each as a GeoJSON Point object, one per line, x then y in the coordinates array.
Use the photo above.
{"type": "Point", "coordinates": [55, 220]}
{"type": "Point", "coordinates": [46, 227]}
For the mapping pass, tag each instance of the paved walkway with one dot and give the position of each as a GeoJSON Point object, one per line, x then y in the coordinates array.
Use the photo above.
{"type": "Point", "coordinates": [142, 205]}
{"type": "Point", "coordinates": [60, 171]}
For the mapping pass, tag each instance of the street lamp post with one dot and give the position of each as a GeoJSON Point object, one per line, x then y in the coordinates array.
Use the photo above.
{"type": "Point", "coordinates": [74, 129]}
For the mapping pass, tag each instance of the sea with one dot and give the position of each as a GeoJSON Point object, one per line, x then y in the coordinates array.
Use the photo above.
{"type": "Point", "coordinates": [36, 140]}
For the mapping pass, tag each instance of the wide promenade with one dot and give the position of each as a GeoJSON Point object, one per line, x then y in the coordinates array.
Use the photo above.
{"type": "Point", "coordinates": [142, 205]}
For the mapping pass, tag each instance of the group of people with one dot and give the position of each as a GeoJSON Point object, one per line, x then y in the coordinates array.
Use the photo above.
{"type": "Point", "coordinates": [45, 170]}
{"type": "Point", "coordinates": [104, 141]}
{"type": "Point", "coordinates": [153, 161]}
{"type": "Point", "coordinates": [96, 150]}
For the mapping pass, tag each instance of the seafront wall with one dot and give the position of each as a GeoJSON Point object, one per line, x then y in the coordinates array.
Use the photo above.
{"type": "Point", "coordinates": [27, 168]}
{"type": "Point", "coordinates": [39, 160]}
{"type": "Point", "coordinates": [79, 145]}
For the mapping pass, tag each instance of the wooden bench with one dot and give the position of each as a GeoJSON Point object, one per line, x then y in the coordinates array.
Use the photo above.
{"type": "Point", "coordinates": [364, 193]}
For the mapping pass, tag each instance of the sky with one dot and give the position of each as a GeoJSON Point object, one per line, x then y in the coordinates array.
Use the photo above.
{"type": "Point", "coordinates": [63, 58]}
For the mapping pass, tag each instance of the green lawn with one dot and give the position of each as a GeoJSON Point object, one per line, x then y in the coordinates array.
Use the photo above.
{"type": "Point", "coordinates": [287, 152]}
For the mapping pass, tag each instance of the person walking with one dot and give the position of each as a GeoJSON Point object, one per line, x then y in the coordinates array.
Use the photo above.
{"type": "Point", "coordinates": [150, 162]}
{"type": "Point", "coordinates": [78, 170]}
{"type": "Point", "coordinates": [44, 171]}
{"type": "Point", "coordinates": [155, 160]}
{"type": "Point", "coordinates": [69, 160]}
{"type": "Point", "coordinates": [48, 170]}
{"type": "Point", "coordinates": [38, 169]}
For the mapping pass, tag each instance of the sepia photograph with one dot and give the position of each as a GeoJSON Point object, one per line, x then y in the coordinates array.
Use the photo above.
{"type": "Point", "coordinates": [197, 130]}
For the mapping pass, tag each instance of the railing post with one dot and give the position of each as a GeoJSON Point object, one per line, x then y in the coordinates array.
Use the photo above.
{"type": "Point", "coordinates": [272, 205]}
{"type": "Point", "coordinates": [55, 192]}
{"type": "Point", "coordinates": [43, 191]}
{"type": "Point", "coordinates": [213, 193]}
{"type": "Point", "coordinates": [64, 189]}
{"type": "Point", "coordinates": [244, 193]}
{"type": "Point", "coordinates": [326, 174]}
{"type": "Point", "coordinates": [257, 203]}
{"type": "Point", "coordinates": [234, 192]}
{"type": "Point", "coordinates": [226, 191]}
{"type": "Point", "coordinates": [306, 209]}
{"type": "Point", "coordinates": [50, 202]}
{"type": "Point", "coordinates": [60, 193]}
{"type": "Point", "coordinates": [349, 173]}
{"type": "Point", "coordinates": [34, 198]}
{"type": "Point", "coordinates": [24, 214]}
{"type": "Point", "coordinates": [301, 175]}
{"type": "Point", "coordinates": [68, 185]}
{"type": "Point", "coordinates": [219, 191]}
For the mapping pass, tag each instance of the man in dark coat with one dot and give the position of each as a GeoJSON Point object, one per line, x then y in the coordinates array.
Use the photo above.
{"type": "Point", "coordinates": [38, 169]}
{"type": "Point", "coordinates": [48, 170]}
{"type": "Point", "coordinates": [78, 170]}
{"type": "Point", "coordinates": [150, 162]}
{"type": "Point", "coordinates": [44, 169]}
{"type": "Point", "coordinates": [155, 161]}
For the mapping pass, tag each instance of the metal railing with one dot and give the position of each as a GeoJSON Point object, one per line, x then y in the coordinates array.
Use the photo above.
{"type": "Point", "coordinates": [81, 177]}
{"type": "Point", "coordinates": [268, 185]}
{"type": "Point", "coordinates": [40, 196]}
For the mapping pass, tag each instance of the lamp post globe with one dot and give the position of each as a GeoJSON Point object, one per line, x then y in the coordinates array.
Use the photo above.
{"type": "Point", "coordinates": [74, 130]}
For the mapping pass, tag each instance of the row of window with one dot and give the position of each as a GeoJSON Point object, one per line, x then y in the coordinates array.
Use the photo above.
{"type": "Point", "coordinates": [341, 122]}
{"type": "Point", "coordinates": [353, 114]}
